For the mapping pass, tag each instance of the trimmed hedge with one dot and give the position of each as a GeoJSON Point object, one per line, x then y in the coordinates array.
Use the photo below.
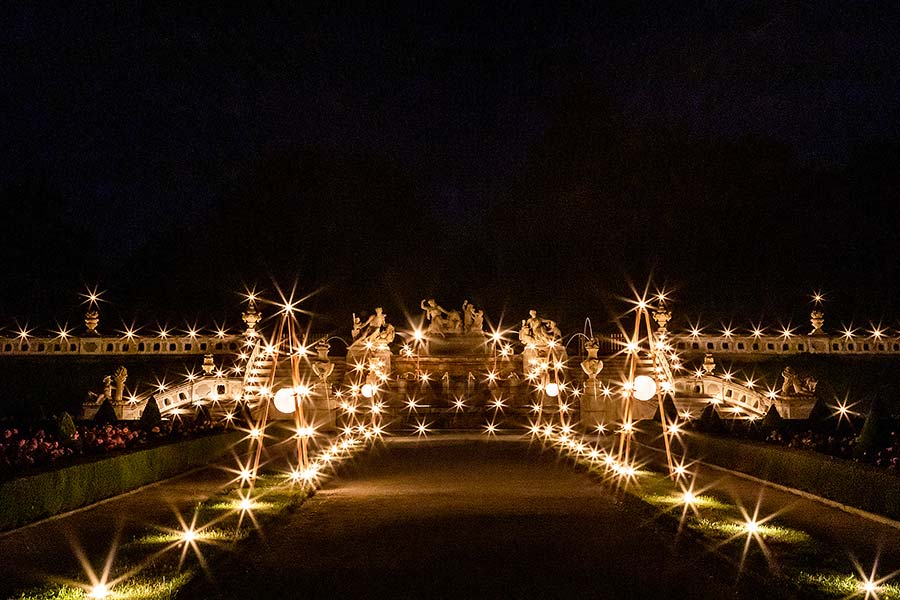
{"type": "Point", "coordinates": [31, 497]}
{"type": "Point", "coordinates": [843, 481]}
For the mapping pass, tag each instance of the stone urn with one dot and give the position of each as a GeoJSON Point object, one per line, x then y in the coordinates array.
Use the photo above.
{"type": "Point", "coordinates": [662, 316]}
{"type": "Point", "coordinates": [817, 319]}
{"type": "Point", "coordinates": [251, 317]}
{"type": "Point", "coordinates": [322, 348]}
{"type": "Point", "coordinates": [91, 320]}
{"type": "Point", "coordinates": [592, 365]}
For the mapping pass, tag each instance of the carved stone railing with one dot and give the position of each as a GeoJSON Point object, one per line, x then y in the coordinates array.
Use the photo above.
{"type": "Point", "coordinates": [777, 345]}
{"type": "Point", "coordinates": [120, 346]}
{"type": "Point", "coordinates": [205, 390]}
{"type": "Point", "coordinates": [725, 393]}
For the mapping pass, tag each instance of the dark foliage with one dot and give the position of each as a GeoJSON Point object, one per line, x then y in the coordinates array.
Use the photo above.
{"type": "Point", "coordinates": [105, 414]}
{"type": "Point", "coordinates": [876, 431]}
{"type": "Point", "coordinates": [66, 428]}
{"type": "Point", "coordinates": [150, 416]}
{"type": "Point", "coordinates": [710, 421]}
{"type": "Point", "coordinates": [772, 421]}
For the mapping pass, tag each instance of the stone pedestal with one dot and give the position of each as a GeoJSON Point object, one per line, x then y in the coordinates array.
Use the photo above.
{"type": "Point", "coordinates": [598, 408]}
{"type": "Point", "coordinates": [795, 407]}
{"type": "Point", "coordinates": [456, 345]}
{"type": "Point", "coordinates": [381, 356]}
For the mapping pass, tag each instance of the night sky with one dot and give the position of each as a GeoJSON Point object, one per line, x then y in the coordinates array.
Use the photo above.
{"type": "Point", "coordinates": [743, 154]}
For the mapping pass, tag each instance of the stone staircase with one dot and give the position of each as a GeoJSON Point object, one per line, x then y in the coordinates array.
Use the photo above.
{"type": "Point", "coordinates": [259, 375]}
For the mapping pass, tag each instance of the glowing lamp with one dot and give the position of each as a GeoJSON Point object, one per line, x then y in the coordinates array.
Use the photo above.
{"type": "Point", "coordinates": [644, 387]}
{"type": "Point", "coordinates": [368, 390]}
{"type": "Point", "coordinates": [99, 591]}
{"type": "Point", "coordinates": [285, 400]}
{"type": "Point", "coordinates": [552, 390]}
{"type": "Point", "coordinates": [869, 587]}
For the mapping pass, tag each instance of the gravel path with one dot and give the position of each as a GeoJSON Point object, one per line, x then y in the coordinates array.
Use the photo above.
{"type": "Point", "coordinates": [467, 520]}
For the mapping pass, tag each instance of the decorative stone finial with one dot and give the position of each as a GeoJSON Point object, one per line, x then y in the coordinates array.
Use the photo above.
{"type": "Point", "coordinates": [709, 363]}
{"type": "Point", "coordinates": [592, 365]}
{"type": "Point", "coordinates": [817, 319]}
{"type": "Point", "coordinates": [209, 364]}
{"type": "Point", "coordinates": [120, 376]}
{"type": "Point", "coordinates": [91, 320]}
{"type": "Point", "coordinates": [251, 317]}
{"type": "Point", "coordinates": [662, 315]}
{"type": "Point", "coordinates": [322, 348]}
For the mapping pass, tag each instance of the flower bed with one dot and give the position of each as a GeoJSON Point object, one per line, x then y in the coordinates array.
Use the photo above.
{"type": "Point", "coordinates": [34, 496]}
{"type": "Point", "coordinates": [23, 449]}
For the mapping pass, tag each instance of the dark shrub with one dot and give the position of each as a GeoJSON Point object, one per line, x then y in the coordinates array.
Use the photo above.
{"type": "Point", "coordinates": [876, 431]}
{"type": "Point", "coordinates": [773, 421]}
{"type": "Point", "coordinates": [105, 414]}
{"type": "Point", "coordinates": [710, 421]}
{"type": "Point", "coordinates": [150, 417]}
{"type": "Point", "coordinates": [201, 416]}
{"type": "Point", "coordinates": [66, 428]}
{"type": "Point", "coordinates": [821, 416]}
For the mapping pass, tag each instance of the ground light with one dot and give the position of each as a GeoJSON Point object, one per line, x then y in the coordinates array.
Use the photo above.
{"type": "Point", "coordinates": [99, 591]}
{"type": "Point", "coordinates": [644, 387]}
{"type": "Point", "coordinates": [869, 587]}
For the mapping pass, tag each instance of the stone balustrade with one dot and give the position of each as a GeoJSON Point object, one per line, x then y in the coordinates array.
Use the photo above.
{"type": "Point", "coordinates": [685, 343]}
{"type": "Point", "coordinates": [119, 346]}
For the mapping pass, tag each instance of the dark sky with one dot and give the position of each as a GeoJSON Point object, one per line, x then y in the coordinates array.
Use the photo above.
{"type": "Point", "coordinates": [744, 153]}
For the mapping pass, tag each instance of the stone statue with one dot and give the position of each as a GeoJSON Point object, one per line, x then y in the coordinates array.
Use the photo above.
{"type": "Point", "coordinates": [477, 322]}
{"type": "Point", "coordinates": [440, 320]}
{"type": "Point", "coordinates": [552, 330]}
{"type": "Point", "coordinates": [473, 319]}
{"type": "Point", "coordinates": [468, 315]}
{"type": "Point", "coordinates": [374, 332]}
{"type": "Point", "coordinates": [120, 376]}
{"type": "Point", "coordinates": [107, 387]}
{"type": "Point", "coordinates": [107, 392]}
{"type": "Point", "coordinates": [794, 385]}
{"type": "Point", "coordinates": [538, 332]}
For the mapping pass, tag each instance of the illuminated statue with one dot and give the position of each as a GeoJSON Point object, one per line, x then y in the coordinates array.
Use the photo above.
{"type": "Point", "coordinates": [536, 331]}
{"type": "Point", "coordinates": [120, 376]}
{"type": "Point", "coordinates": [468, 315]}
{"type": "Point", "coordinates": [473, 320]}
{"type": "Point", "coordinates": [440, 320]}
{"type": "Point", "coordinates": [477, 325]}
{"type": "Point", "coordinates": [374, 332]}
{"type": "Point", "coordinates": [107, 393]}
{"type": "Point", "coordinates": [794, 385]}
